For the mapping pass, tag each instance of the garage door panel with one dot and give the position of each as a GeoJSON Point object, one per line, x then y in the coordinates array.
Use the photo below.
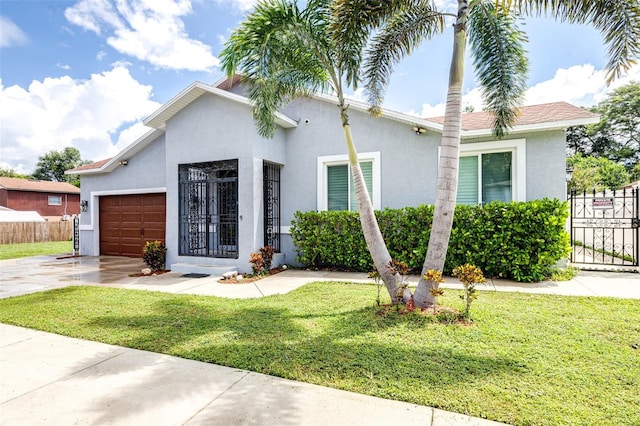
{"type": "Point", "coordinates": [127, 222]}
{"type": "Point", "coordinates": [128, 216]}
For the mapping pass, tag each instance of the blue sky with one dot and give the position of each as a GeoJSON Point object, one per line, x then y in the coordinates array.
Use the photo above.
{"type": "Point", "coordinates": [84, 73]}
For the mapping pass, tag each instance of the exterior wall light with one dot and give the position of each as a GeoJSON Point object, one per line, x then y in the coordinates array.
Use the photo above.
{"type": "Point", "coordinates": [84, 205]}
{"type": "Point", "coordinates": [419, 130]}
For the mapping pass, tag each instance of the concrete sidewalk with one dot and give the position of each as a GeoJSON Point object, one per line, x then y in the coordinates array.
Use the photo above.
{"type": "Point", "coordinates": [47, 379]}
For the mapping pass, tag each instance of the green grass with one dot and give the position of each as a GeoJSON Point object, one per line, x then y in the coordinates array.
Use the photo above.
{"type": "Point", "coordinates": [14, 251]}
{"type": "Point", "coordinates": [526, 359]}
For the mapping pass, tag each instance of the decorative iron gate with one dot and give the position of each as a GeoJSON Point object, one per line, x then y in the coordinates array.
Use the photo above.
{"type": "Point", "coordinates": [605, 228]}
{"type": "Point", "coordinates": [271, 194]}
{"type": "Point", "coordinates": [209, 209]}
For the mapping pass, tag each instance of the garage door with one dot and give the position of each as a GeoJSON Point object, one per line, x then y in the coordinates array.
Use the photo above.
{"type": "Point", "coordinates": [127, 222]}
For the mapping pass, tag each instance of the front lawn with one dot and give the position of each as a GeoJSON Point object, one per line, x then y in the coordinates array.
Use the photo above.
{"type": "Point", "coordinates": [14, 251]}
{"type": "Point", "coordinates": [527, 359]}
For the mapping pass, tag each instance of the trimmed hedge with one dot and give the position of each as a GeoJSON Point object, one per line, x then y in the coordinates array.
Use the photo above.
{"type": "Point", "coordinates": [518, 240]}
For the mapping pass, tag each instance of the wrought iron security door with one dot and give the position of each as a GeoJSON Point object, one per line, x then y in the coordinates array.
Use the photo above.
{"type": "Point", "coordinates": [209, 209]}
{"type": "Point", "coordinates": [605, 228]}
{"type": "Point", "coordinates": [271, 194]}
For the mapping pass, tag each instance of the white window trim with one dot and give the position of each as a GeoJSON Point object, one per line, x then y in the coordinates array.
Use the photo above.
{"type": "Point", "coordinates": [49, 197]}
{"type": "Point", "coordinates": [518, 147]}
{"type": "Point", "coordinates": [334, 160]}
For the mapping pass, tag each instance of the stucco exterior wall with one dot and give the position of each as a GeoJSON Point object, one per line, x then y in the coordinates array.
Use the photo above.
{"type": "Point", "coordinates": [144, 173]}
{"type": "Point", "coordinates": [213, 129]}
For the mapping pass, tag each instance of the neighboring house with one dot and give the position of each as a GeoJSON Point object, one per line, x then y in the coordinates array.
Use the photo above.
{"type": "Point", "coordinates": [206, 184]}
{"type": "Point", "coordinates": [52, 200]}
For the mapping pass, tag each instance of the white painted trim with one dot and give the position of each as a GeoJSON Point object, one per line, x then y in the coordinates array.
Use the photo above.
{"type": "Point", "coordinates": [285, 229]}
{"type": "Point", "coordinates": [332, 160]}
{"type": "Point", "coordinates": [94, 205]}
{"type": "Point", "coordinates": [519, 161]}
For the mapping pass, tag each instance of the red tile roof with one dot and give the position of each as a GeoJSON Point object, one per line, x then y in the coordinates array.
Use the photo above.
{"type": "Point", "coordinates": [15, 184]}
{"type": "Point", "coordinates": [529, 115]}
{"type": "Point", "coordinates": [91, 166]}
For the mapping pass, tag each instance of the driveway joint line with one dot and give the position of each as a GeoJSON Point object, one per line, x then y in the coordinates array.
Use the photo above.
{"type": "Point", "coordinates": [246, 373]}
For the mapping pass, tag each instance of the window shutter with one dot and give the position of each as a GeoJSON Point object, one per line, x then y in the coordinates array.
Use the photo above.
{"type": "Point", "coordinates": [338, 187]}
{"type": "Point", "coordinates": [468, 180]}
{"type": "Point", "coordinates": [367, 172]}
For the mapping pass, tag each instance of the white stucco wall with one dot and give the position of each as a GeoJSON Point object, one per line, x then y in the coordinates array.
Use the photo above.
{"type": "Point", "coordinates": [144, 173]}
{"type": "Point", "coordinates": [213, 129]}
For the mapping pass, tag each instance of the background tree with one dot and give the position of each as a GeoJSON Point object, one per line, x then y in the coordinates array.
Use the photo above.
{"type": "Point", "coordinates": [497, 49]}
{"type": "Point", "coordinates": [52, 166]}
{"type": "Point", "coordinates": [597, 173]}
{"type": "Point", "coordinates": [9, 172]}
{"type": "Point", "coordinates": [617, 135]}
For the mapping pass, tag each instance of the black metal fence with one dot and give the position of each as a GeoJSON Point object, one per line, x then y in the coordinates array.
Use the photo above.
{"type": "Point", "coordinates": [605, 227]}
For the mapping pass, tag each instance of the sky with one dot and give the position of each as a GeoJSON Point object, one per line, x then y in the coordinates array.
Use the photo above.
{"type": "Point", "coordinates": [85, 73]}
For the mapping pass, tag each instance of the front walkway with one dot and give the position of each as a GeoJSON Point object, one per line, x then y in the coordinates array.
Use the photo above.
{"type": "Point", "coordinates": [28, 275]}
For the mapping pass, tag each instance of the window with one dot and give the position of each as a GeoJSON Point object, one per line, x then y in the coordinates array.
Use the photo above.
{"type": "Point", "coordinates": [55, 200]}
{"type": "Point", "coordinates": [491, 171]}
{"type": "Point", "coordinates": [335, 184]}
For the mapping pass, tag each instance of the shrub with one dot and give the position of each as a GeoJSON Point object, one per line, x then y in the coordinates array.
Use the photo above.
{"type": "Point", "coordinates": [469, 276]}
{"type": "Point", "coordinates": [518, 240]}
{"type": "Point", "coordinates": [261, 260]}
{"type": "Point", "coordinates": [154, 255]}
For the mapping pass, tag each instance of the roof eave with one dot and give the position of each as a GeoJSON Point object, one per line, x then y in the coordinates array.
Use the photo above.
{"type": "Point", "coordinates": [549, 126]}
{"type": "Point", "coordinates": [389, 114]}
{"type": "Point", "coordinates": [158, 120]}
{"type": "Point", "coordinates": [128, 152]}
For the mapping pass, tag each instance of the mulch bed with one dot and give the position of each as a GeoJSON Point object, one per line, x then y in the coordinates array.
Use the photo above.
{"type": "Point", "coordinates": [246, 279]}
{"type": "Point", "coordinates": [159, 272]}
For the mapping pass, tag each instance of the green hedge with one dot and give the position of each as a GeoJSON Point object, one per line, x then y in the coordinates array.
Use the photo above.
{"type": "Point", "coordinates": [519, 240]}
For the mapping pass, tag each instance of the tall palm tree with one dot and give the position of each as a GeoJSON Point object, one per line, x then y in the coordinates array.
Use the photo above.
{"type": "Point", "coordinates": [499, 59]}
{"type": "Point", "coordinates": [284, 52]}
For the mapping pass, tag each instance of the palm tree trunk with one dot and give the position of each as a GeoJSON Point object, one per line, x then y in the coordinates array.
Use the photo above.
{"type": "Point", "coordinates": [447, 186]}
{"type": "Point", "coordinates": [370, 228]}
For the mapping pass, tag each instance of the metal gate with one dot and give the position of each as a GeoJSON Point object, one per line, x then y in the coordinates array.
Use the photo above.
{"type": "Point", "coordinates": [605, 228]}
{"type": "Point", "coordinates": [209, 209]}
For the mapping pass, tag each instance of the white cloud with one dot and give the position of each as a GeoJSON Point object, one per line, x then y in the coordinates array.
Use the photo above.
{"type": "Point", "coordinates": [60, 112]}
{"type": "Point", "coordinates": [149, 30]}
{"type": "Point", "coordinates": [11, 35]}
{"type": "Point", "coordinates": [63, 66]}
{"type": "Point", "coordinates": [241, 5]}
{"type": "Point", "coordinates": [580, 85]}
{"type": "Point", "coordinates": [101, 55]}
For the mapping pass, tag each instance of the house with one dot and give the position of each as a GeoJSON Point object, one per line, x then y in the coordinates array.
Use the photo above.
{"type": "Point", "coordinates": [204, 182]}
{"type": "Point", "coordinates": [52, 200]}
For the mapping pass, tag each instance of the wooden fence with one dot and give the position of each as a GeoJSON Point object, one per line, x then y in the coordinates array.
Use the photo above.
{"type": "Point", "coordinates": [35, 232]}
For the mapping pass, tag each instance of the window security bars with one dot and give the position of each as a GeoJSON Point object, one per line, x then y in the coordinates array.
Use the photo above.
{"type": "Point", "coordinates": [271, 196]}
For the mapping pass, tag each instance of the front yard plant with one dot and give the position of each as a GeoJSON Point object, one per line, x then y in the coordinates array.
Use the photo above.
{"type": "Point", "coordinates": [522, 241]}
{"type": "Point", "coordinates": [154, 254]}
{"type": "Point", "coordinates": [525, 360]}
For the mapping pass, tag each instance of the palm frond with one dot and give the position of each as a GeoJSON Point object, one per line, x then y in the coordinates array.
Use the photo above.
{"type": "Point", "coordinates": [402, 33]}
{"type": "Point", "coordinates": [351, 26]}
{"type": "Point", "coordinates": [499, 58]}
{"type": "Point", "coordinates": [617, 20]}
{"type": "Point", "coordinates": [277, 49]}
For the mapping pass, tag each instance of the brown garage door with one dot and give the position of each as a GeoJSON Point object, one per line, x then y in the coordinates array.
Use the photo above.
{"type": "Point", "coordinates": [127, 222]}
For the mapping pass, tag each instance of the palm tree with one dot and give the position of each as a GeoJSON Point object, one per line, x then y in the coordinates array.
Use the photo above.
{"type": "Point", "coordinates": [284, 52]}
{"type": "Point", "coordinates": [499, 59]}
